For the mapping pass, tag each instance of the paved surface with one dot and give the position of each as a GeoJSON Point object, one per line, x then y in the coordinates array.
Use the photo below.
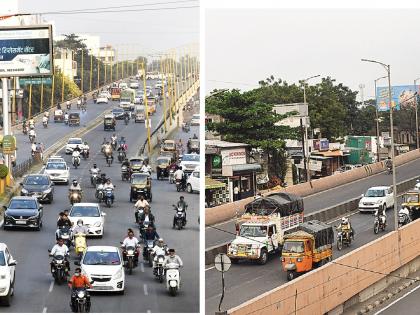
{"type": "Point", "coordinates": [35, 290]}
{"type": "Point", "coordinates": [406, 304]}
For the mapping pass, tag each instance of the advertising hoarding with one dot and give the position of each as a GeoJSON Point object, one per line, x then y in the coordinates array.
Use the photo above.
{"type": "Point", "coordinates": [324, 144]}
{"type": "Point", "coordinates": [26, 51]}
{"type": "Point", "coordinates": [234, 156]}
{"type": "Point", "coordinates": [402, 97]}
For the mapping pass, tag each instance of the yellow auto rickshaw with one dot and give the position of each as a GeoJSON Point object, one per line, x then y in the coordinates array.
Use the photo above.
{"type": "Point", "coordinates": [141, 184]}
{"type": "Point", "coordinates": [162, 166]}
{"type": "Point", "coordinates": [136, 163]}
{"type": "Point", "coordinates": [411, 200]}
{"type": "Point", "coordinates": [168, 145]}
{"type": "Point", "coordinates": [109, 122]}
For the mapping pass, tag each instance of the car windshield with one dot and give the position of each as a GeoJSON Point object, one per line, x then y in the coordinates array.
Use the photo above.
{"type": "Point", "coordinates": [56, 166]}
{"type": "Point", "coordinates": [293, 247]}
{"type": "Point", "coordinates": [162, 161]}
{"type": "Point", "coordinates": [169, 145]}
{"type": "Point", "coordinates": [103, 95]}
{"type": "Point", "coordinates": [36, 180]}
{"type": "Point", "coordinates": [411, 198]}
{"type": "Point", "coordinates": [22, 204]}
{"type": "Point", "coordinates": [84, 211]}
{"type": "Point", "coordinates": [75, 141]}
{"type": "Point", "coordinates": [253, 231]}
{"type": "Point", "coordinates": [117, 111]}
{"type": "Point", "coordinates": [101, 258]}
{"type": "Point", "coordinates": [2, 259]}
{"type": "Point", "coordinates": [136, 162]}
{"type": "Point", "coordinates": [139, 180]}
{"type": "Point", "coordinates": [375, 193]}
{"type": "Point", "coordinates": [191, 158]}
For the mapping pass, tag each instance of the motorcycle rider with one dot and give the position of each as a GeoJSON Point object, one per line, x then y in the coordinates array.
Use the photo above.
{"type": "Point", "coordinates": [76, 154]}
{"type": "Point", "coordinates": [31, 123]}
{"type": "Point", "coordinates": [122, 141]}
{"type": "Point", "coordinates": [75, 187]}
{"type": "Point", "coordinates": [380, 213]}
{"type": "Point", "coordinates": [86, 147]}
{"type": "Point", "coordinates": [66, 117]}
{"type": "Point", "coordinates": [146, 168]}
{"type": "Point", "coordinates": [62, 221]}
{"type": "Point", "coordinates": [179, 175]}
{"type": "Point", "coordinates": [108, 148]}
{"type": "Point", "coordinates": [109, 185]}
{"type": "Point", "coordinates": [183, 205]}
{"type": "Point", "coordinates": [121, 148]}
{"type": "Point", "coordinates": [147, 216]}
{"type": "Point", "coordinates": [33, 148]}
{"type": "Point", "coordinates": [114, 138]}
{"type": "Point", "coordinates": [68, 104]}
{"type": "Point", "coordinates": [141, 203]}
{"type": "Point", "coordinates": [149, 235]}
{"type": "Point", "coordinates": [160, 249]}
{"type": "Point", "coordinates": [130, 240]}
{"type": "Point", "coordinates": [32, 133]}
{"type": "Point", "coordinates": [45, 120]}
{"type": "Point", "coordinates": [80, 228]}
{"type": "Point", "coordinates": [345, 226]}
{"type": "Point", "coordinates": [388, 163]}
{"type": "Point", "coordinates": [61, 249]}
{"type": "Point", "coordinates": [172, 258]}
{"type": "Point", "coordinates": [79, 281]}
{"type": "Point", "coordinates": [94, 169]}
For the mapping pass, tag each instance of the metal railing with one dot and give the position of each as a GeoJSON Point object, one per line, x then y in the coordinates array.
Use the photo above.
{"type": "Point", "coordinates": [20, 169]}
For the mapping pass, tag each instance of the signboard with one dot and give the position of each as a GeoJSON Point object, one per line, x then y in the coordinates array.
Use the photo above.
{"type": "Point", "coordinates": [35, 81]}
{"type": "Point", "coordinates": [402, 97]}
{"type": "Point", "coordinates": [9, 144]}
{"type": "Point", "coordinates": [234, 156]}
{"type": "Point", "coordinates": [227, 170]}
{"type": "Point", "coordinates": [216, 161]}
{"type": "Point", "coordinates": [316, 144]}
{"type": "Point", "coordinates": [314, 165]}
{"type": "Point", "coordinates": [26, 51]}
{"type": "Point", "coordinates": [293, 121]}
{"type": "Point", "coordinates": [324, 144]}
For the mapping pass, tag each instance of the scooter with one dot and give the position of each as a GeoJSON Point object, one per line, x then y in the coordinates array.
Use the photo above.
{"type": "Point", "coordinates": [75, 197]}
{"type": "Point", "coordinates": [172, 278]}
{"type": "Point", "coordinates": [179, 218]}
{"type": "Point", "coordinates": [80, 244]}
{"type": "Point", "coordinates": [108, 196]}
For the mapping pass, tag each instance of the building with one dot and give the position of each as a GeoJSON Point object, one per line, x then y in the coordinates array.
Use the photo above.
{"type": "Point", "coordinates": [63, 61]}
{"type": "Point", "coordinates": [209, 135]}
{"type": "Point", "coordinates": [229, 163]}
{"type": "Point", "coordinates": [107, 54]}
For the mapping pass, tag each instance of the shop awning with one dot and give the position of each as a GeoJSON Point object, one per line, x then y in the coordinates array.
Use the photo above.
{"type": "Point", "coordinates": [213, 184]}
{"type": "Point", "coordinates": [329, 153]}
{"type": "Point", "coordinates": [246, 167]}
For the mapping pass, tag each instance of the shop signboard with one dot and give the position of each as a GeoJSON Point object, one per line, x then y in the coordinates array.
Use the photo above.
{"type": "Point", "coordinates": [324, 144]}
{"type": "Point", "coordinates": [234, 156]}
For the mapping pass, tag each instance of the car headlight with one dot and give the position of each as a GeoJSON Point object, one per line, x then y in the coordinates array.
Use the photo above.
{"type": "Point", "coordinates": [24, 191]}
{"type": "Point", "coordinates": [118, 274]}
{"type": "Point", "coordinates": [47, 191]}
{"type": "Point", "coordinates": [2, 277]}
{"type": "Point", "coordinates": [97, 224]}
{"type": "Point", "coordinates": [378, 202]}
{"type": "Point", "coordinates": [33, 217]}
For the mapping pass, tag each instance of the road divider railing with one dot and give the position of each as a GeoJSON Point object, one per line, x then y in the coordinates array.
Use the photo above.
{"type": "Point", "coordinates": [324, 215]}
{"type": "Point", "coordinates": [227, 211]}
{"type": "Point", "coordinates": [356, 276]}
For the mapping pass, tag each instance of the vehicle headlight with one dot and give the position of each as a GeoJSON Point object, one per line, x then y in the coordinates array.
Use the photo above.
{"type": "Point", "coordinates": [24, 191]}
{"type": "Point", "coordinates": [33, 217]}
{"type": "Point", "coordinates": [2, 277]}
{"type": "Point", "coordinates": [118, 274]}
{"type": "Point", "coordinates": [81, 294]}
{"type": "Point", "coordinates": [378, 202]}
{"type": "Point", "coordinates": [47, 191]}
{"type": "Point", "coordinates": [97, 224]}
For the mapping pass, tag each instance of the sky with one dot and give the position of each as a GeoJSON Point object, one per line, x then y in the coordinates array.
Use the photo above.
{"type": "Point", "coordinates": [146, 31]}
{"type": "Point", "coordinates": [244, 46]}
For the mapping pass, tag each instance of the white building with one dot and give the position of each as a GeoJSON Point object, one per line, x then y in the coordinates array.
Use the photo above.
{"type": "Point", "coordinates": [107, 54]}
{"type": "Point", "coordinates": [63, 61]}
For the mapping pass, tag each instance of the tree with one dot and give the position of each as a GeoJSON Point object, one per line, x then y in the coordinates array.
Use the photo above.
{"type": "Point", "coordinates": [71, 41]}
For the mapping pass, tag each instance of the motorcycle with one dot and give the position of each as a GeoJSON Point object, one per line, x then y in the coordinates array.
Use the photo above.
{"type": "Point", "coordinates": [114, 144]}
{"type": "Point", "coordinates": [68, 106]}
{"type": "Point", "coordinates": [75, 197]}
{"type": "Point", "coordinates": [180, 185]}
{"type": "Point", "coordinates": [125, 174]}
{"type": "Point", "coordinates": [179, 218]}
{"type": "Point", "coordinates": [389, 170]}
{"type": "Point", "coordinates": [148, 251]}
{"type": "Point", "coordinates": [64, 232]}
{"type": "Point", "coordinates": [45, 124]}
{"type": "Point", "coordinates": [80, 244]}
{"type": "Point", "coordinates": [25, 130]}
{"type": "Point", "coordinates": [138, 213]}
{"type": "Point", "coordinates": [31, 126]}
{"type": "Point", "coordinates": [379, 224]}
{"type": "Point", "coordinates": [99, 192]}
{"type": "Point", "coordinates": [126, 120]}
{"type": "Point", "coordinates": [66, 120]}
{"type": "Point", "coordinates": [59, 269]}
{"type": "Point", "coordinates": [171, 176]}
{"type": "Point", "coordinates": [109, 160]}
{"type": "Point", "coordinates": [172, 278]}
{"type": "Point", "coordinates": [31, 138]}
{"type": "Point", "coordinates": [94, 177]}
{"type": "Point", "coordinates": [85, 154]}
{"type": "Point", "coordinates": [343, 238]}
{"type": "Point", "coordinates": [108, 196]}
{"type": "Point", "coordinates": [158, 271]}
{"type": "Point", "coordinates": [81, 302]}
{"type": "Point", "coordinates": [121, 156]}
{"type": "Point", "coordinates": [130, 253]}
{"type": "Point", "coordinates": [76, 161]}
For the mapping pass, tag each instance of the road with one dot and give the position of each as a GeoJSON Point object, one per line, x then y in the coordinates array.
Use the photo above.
{"type": "Point", "coordinates": [35, 290]}
{"type": "Point", "coordinates": [248, 280]}
{"type": "Point", "coordinates": [406, 304]}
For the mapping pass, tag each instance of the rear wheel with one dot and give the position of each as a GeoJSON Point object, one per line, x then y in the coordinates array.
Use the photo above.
{"type": "Point", "coordinates": [189, 188]}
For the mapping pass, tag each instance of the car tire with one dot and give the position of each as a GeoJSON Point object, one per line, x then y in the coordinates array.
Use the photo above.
{"type": "Point", "coordinates": [263, 257]}
{"type": "Point", "coordinates": [50, 201]}
{"type": "Point", "coordinates": [6, 300]}
{"type": "Point", "coordinates": [189, 188]}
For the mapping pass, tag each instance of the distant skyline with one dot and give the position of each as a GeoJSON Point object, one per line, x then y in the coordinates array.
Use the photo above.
{"type": "Point", "coordinates": [244, 46]}
{"type": "Point", "coordinates": [147, 31]}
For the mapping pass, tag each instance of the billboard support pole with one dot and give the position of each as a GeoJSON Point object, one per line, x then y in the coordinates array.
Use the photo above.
{"type": "Point", "coordinates": [6, 130]}
{"type": "Point", "coordinates": [417, 117]}
{"type": "Point", "coordinates": [378, 159]}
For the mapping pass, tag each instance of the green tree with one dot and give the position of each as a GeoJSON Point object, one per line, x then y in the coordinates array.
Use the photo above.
{"type": "Point", "coordinates": [71, 41]}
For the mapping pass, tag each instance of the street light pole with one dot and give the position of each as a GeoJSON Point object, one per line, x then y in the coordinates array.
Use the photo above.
{"type": "Point", "coordinates": [417, 118]}
{"type": "Point", "coordinates": [377, 122]}
{"type": "Point", "coordinates": [306, 146]}
{"type": "Point", "coordinates": [394, 185]}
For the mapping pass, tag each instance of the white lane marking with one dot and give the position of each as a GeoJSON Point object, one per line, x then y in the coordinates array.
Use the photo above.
{"type": "Point", "coordinates": [209, 268]}
{"type": "Point", "coordinates": [142, 267]}
{"type": "Point", "coordinates": [397, 300]}
{"type": "Point", "coordinates": [44, 310]}
{"type": "Point", "coordinates": [148, 311]}
{"type": "Point", "coordinates": [1, 223]}
{"type": "Point", "coordinates": [145, 289]}
{"type": "Point", "coordinates": [51, 286]}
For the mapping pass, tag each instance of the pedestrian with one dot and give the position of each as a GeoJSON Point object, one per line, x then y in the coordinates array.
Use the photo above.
{"type": "Point", "coordinates": [236, 193]}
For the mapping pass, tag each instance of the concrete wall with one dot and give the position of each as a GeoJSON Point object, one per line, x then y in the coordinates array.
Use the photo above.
{"type": "Point", "coordinates": [326, 288]}
{"type": "Point", "coordinates": [227, 211]}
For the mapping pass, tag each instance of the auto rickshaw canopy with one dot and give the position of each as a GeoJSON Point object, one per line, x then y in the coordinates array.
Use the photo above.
{"type": "Point", "coordinates": [140, 179]}
{"type": "Point", "coordinates": [163, 160]}
{"type": "Point", "coordinates": [169, 145]}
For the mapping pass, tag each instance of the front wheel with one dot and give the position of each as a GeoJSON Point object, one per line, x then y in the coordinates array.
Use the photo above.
{"type": "Point", "coordinates": [173, 291]}
{"type": "Point", "coordinates": [291, 275]}
{"type": "Point", "coordinates": [130, 266]}
{"type": "Point", "coordinates": [263, 257]}
{"type": "Point", "coordinates": [340, 244]}
{"type": "Point", "coordinates": [376, 228]}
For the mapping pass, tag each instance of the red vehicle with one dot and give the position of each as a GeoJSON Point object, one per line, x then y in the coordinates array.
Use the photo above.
{"type": "Point", "coordinates": [115, 93]}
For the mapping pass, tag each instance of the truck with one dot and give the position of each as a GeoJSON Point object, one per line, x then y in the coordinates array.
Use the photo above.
{"type": "Point", "coordinates": [127, 98]}
{"type": "Point", "coordinates": [139, 113]}
{"type": "Point", "coordinates": [115, 93]}
{"type": "Point", "coordinates": [308, 248]}
{"type": "Point", "coordinates": [260, 231]}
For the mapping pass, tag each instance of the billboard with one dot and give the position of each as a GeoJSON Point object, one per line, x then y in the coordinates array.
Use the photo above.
{"type": "Point", "coordinates": [402, 97]}
{"type": "Point", "coordinates": [26, 51]}
{"type": "Point", "coordinates": [324, 144]}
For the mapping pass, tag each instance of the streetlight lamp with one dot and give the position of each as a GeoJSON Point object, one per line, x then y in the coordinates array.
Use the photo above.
{"type": "Point", "coordinates": [394, 185]}
{"type": "Point", "coordinates": [417, 118]}
{"type": "Point", "coordinates": [377, 120]}
{"type": "Point", "coordinates": [306, 155]}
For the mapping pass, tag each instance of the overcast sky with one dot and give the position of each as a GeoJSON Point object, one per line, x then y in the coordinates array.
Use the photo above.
{"type": "Point", "coordinates": [244, 46]}
{"type": "Point", "coordinates": [148, 30]}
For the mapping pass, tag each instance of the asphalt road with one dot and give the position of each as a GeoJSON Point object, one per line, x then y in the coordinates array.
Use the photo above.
{"type": "Point", "coordinates": [323, 199]}
{"type": "Point", "coordinates": [35, 290]}
{"type": "Point", "coordinates": [406, 304]}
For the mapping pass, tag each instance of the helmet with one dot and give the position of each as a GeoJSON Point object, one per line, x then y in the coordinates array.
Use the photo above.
{"type": "Point", "coordinates": [94, 165]}
{"type": "Point", "coordinates": [108, 180]}
{"type": "Point", "coordinates": [182, 198]}
{"type": "Point", "coordinates": [344, 221]}
{"type": "Point", "coordinates": [160, 241]}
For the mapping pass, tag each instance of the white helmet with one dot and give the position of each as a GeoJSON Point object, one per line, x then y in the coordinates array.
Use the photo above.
{"type": "Point", "coordinates": [344, 220]}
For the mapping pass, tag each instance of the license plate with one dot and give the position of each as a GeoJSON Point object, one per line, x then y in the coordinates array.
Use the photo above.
{"type": "Point", "coordinates": [20, 222]}
{"type": "Point", "coordinates": [101, 287]}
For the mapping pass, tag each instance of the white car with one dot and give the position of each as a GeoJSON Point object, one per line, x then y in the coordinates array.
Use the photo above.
{"type": "Point", "coordinates": [102, 98]}
{"type": "Point", "coordinates": [193, 181]}
{"type": "Point", "coordinates": [91, 215]}
{"type": "Point", "coordinates": [134, 85]}
{"type": "Point", "coordinates": [73, 143]}
{"type": "Point", "coordinates": [376, 196]}
{"type": "Point", "coordinates": [195, 120]}
{"type": "Point", "coordinates": [104, 266]}
{"type": "Point", "coordinates": [189, 162]}
{"type": "Point", "coordinates": [123, 85]}
{"type": "Point", "coordinates": [55, 158]}
{"type": "Point", "coordinates": [7, 275]}
{"type": "Point", "coordinates": [58, 171]}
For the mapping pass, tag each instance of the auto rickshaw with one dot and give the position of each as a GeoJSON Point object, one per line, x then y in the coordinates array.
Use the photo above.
{"type": "Point", "coordinates": [109, 122]}
{"type": "Point", "coordinates": [141, 184]}
{"type": "Point", "coordinates": [193, 145]}
{"type": "Point", "coordinates": [411, 200]}
{"type": "Point", "coordinates": [58, 115]}
{"type": "Point", "coordinates": [169, 154]}
{"type": "Point", "coordinates": [136, 163]}
{"type": "Point", "coordinates": [74, 119]}
{"type": "Point", "coordinates": [162, 166]}
{"type": "Point", "coordinates": [168, 145]}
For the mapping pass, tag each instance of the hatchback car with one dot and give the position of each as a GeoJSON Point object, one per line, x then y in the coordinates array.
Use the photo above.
{"type": "Point", "coordinates": [102, 98]}
{"type": "Point", "coordinates": [7, 275]}
{"type": "Point", "coordinates": [23, 212]}
{"type": "Point", "coordinates": [375, 197]}
{"type": "Point", "coordinates": [39, 186]}
{"type": "Point", "coordinates": [58, 172]}
{"type": "Point", "coordinates": [104, 266]}
{"type": "Point", "coordinates": [91, 215]}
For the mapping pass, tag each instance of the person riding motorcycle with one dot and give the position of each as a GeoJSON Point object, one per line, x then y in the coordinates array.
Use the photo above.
{"type": "Point", "coordinates": [45, 120]}
{"type": "Point", "coordinates": [79, 281]}
{"type": "Point", "coordinates": [345, 227]}
{"type": "Point", "coordinates": [114, 138]}
{"type": "Point", "coordinates": [75, 187]}
{"type": "Point", "coordinates": [160, 249]}
{"type": "Point", "coordinates": [63, 221]}
{"type": "Point", "coordinates": [388, 163]}
{"type": "Point", "coordinates": [31, 123]}
{"type": "Point", "coordinates": [146, 168]}
{"type": "Point", "coordinates": [123, 142]}
{"type": "Point", "coordinates": [86, 147]}
{"type": "Point", "coordinates": [68, 104]}
{"type": "Point", "coordinates": [182, 205]}
{"type": "Point", "coordinates": [179, 175]}
{"type": "Point", "coordinates": [32, 133]}
{"type": "Point", "coordinates": [381, 214]}
{"type": "Point", "coordinates": [76, 153]}
{"type": "Point", "coordinates": [130, 240]}
{"type": "Point", "coordinates": [60, 249]}
{"type": "Point", "coordinates": [141, 203]}
{"type": "Point", "coordinates": [109, 185]}
{"type": "Point", "coordinates": [108, 148]}
{"type": "Point", "coordinates": [66, 117]}
{"type": "Point", "coordinates": [147, 216]}
{"type": "Point", "coordinates": [94, 169]}
{"type": "Point", "coordinates": [172, 258]}
{"type": "Point", "coordinates": [149, 235]}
